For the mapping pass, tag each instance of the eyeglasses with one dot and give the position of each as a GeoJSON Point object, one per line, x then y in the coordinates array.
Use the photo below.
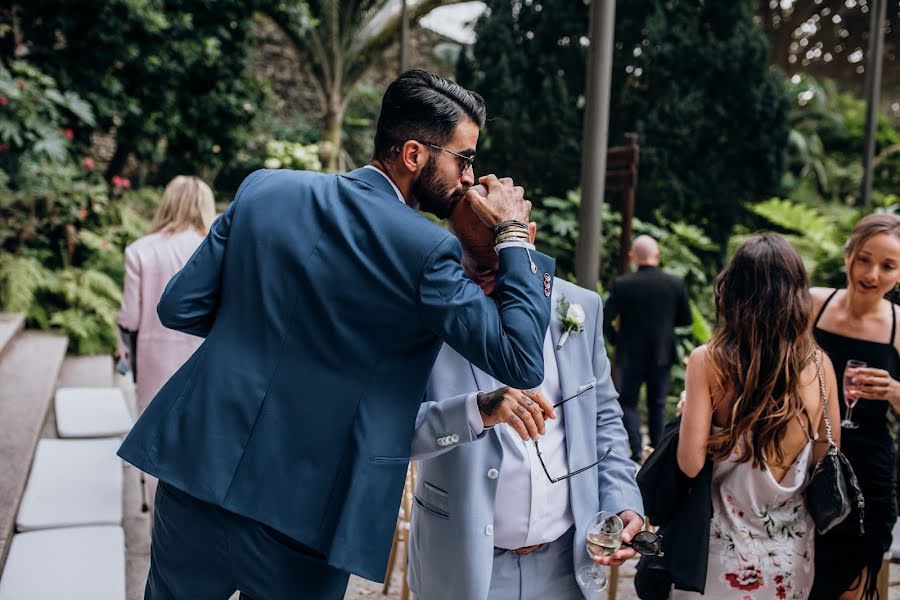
{"type": "Point", "coordinates": [466, 161]}
{"type": "Point", "coordinates": [581, 390]}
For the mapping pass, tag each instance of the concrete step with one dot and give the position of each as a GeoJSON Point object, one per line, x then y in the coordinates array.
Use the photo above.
{"type": "Point", "coordinates": [81, 371]}
{"type": "Point", "coordinates": [10, 325]}
{"type": "Point", "coordinates": [28, 369]}
{"type": "Point", "coordinates": [87, 371]}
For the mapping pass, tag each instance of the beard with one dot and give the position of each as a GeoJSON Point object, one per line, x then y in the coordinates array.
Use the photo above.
{"type": "Point", "coordinates": [434, 195]}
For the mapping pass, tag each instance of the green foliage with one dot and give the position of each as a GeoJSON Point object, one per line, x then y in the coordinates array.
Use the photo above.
{"type": "Point", "coordinates": [338, 42]}
{"type": "Point", "coordinates": [817, 233]}
{"type": "Point", "coordinates": [690, 78]}
{"type": "Point", "coordinates": [281, 154]}
{"type": "Point", "coordinates": [693, 81]}
{"type": "Point", "coordinates": [686, 250]}
{"type": "Point", "coordinates": [81, 302]}
{"type": "Point", "coordinates": [823, 155]}
{"type": "Point", "coordinates": [34, 115]}
{"type": "Point", "coordinates": [169, 78]}
{"type": "Point", "coordinates": [529, 65]}
{"type": "Point", "coordinates": [62, 228]}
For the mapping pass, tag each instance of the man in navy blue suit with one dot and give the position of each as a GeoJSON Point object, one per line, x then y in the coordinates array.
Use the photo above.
{"type": "Point", "coordinates": [281, 446]}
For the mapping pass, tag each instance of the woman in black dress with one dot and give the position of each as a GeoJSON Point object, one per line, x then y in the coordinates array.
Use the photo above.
{"type": "Point", "coordinates": [858, 323]}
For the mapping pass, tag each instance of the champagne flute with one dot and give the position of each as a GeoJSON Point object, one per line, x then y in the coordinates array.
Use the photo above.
{"type": "Point", "coordinates": [604, 537]}
{"type": "Point", "coordinates": [851, 392]}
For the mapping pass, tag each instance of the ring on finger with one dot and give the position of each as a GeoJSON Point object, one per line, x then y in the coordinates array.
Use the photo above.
{"type": "Point", "coordinates": [528, 401]}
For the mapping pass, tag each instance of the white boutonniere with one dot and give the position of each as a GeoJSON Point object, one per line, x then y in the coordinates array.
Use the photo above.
{"type": "Point", "coordinates": [572, 318]}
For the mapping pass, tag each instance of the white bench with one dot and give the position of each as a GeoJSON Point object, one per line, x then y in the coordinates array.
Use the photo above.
{"type": "Point", "coordinates": [91, 412]}
{"type": "Point", "coordinates": [75, 563]}
{"type": "Point", "coordinates": [72, 483]}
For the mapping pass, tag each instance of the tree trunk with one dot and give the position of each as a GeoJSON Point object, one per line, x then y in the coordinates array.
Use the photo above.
{"type": "Point", "coordinates": [332, 140]}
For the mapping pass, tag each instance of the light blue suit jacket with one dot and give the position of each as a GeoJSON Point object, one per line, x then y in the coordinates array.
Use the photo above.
{"type": "Point", "coordinates": [451, 540]}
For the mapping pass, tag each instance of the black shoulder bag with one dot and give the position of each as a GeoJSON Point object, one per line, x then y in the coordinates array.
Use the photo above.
{"type": "Point", "coordinates": [833, 482]}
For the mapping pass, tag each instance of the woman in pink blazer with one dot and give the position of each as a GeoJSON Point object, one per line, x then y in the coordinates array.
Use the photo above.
{"type": "Point", "coordinates": [181, 222]}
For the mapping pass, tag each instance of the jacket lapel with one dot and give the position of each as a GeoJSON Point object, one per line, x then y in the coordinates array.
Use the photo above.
{"type": "Point", "coordinates": [566, 361]}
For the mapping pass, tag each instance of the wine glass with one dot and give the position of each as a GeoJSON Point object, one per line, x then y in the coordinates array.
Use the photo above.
{"type": "Point", "coordinates": [603, 536]}
{"type": "Point", "coordinates": [851, 396]}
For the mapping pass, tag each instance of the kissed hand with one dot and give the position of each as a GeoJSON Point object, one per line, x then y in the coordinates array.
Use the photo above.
{"type": "Point", "coordinates": [503, 202]}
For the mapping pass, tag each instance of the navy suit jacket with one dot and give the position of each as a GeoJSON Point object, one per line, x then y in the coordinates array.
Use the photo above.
{"type": "Point", "coordinates": [323, 300]}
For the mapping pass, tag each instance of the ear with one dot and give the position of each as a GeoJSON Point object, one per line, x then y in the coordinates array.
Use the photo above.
{"type": "Point", "coordinates": [532, 230]}
{"type": "Point", "coordinates": [413, 156]}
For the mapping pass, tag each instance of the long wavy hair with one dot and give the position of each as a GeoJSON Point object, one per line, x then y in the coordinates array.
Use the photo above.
{"type": "Point", "coordinates": [761, 344]}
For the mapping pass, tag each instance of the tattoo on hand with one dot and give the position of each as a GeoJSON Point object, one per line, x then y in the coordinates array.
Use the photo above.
{"type": "Point", "coordinates": [489, 401]}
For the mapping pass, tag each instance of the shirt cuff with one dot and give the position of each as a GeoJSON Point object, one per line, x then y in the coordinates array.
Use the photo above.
{"type": "Point", "coordinates": [500, 247]}
{"type": "Point", "coordinates": [476, 423]}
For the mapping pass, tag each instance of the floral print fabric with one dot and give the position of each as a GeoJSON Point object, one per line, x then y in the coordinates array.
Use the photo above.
{"type": "Point", "coordinates": [761, 535]}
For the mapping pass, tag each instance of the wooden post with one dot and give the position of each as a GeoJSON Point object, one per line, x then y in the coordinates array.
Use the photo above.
{"type": "Point", "coordinates": [621, 173]}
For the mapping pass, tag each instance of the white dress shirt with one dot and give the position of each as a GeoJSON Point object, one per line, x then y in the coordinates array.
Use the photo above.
{"type": "Point", "coordinates": [528, 509]}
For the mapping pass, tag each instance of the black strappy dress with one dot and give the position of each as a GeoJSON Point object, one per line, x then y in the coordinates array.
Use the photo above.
{"type": "Point", "coordinates": [842, 554]}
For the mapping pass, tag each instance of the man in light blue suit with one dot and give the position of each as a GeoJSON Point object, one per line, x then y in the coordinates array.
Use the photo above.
{"type": "Point", "coordinates": [282, 444]}
{"type": "Point", "coordinates": [487, 521]}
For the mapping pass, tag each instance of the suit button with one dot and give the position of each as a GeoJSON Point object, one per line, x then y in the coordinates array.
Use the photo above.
{"type": "Point", "coordinates": [489, 530]}
{"type": "Point", "coordinates": [441, 442]}
{"type": "Point", "coordinates": [454, 438]}
{"type": "Point", "coordinates": [493, 473]}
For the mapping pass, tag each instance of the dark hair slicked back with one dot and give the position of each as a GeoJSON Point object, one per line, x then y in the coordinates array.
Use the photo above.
{"type": "Point", "coordinates": [421, 105]}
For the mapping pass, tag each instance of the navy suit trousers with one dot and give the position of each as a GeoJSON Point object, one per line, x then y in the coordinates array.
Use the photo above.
{"type": "Point", "coordinates": [629, 380]}
{"type": "Point", "coordinates": [201, 551]}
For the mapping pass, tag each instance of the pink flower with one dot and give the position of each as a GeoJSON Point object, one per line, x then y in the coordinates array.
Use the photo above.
{"type": "Point", "coordinates": [88, 163]}
{"type": "Point", "coordinates": [4, 148]}
{"type": "Point", "coordinates": [70, 135]}
{"type": "Point", "coordinates": [105, 244]}
{"type": "Point", "coordinates": [781, 592]}
{"type": "Point", "coordinates": [121, 182]}
{"type": "Point", "coordinates": [4, 100]}
{"type": "Point", "coordinates": [20, 84]}
{"type": "Point", "coordinates": [82, 212]}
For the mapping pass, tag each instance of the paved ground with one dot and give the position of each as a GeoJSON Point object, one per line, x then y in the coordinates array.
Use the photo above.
{"type": "Point", "coordinates": [360, 589]}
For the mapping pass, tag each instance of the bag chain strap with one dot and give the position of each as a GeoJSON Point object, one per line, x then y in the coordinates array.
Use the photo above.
{"type": "Point", "coordinates": [832, 447]}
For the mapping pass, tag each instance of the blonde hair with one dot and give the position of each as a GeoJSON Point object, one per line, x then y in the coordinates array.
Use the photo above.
{"type": "Point", "coordinates": [869, 226]}
{"type": "Point", "coordinates": [186, 202]}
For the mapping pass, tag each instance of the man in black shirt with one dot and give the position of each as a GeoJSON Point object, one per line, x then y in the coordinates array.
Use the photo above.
{"type": "Point", "coordinates": [649, 304]}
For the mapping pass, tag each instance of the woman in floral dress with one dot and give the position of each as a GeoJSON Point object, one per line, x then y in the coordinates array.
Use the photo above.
{"type": "Point", "coordinates": [755, 405]}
